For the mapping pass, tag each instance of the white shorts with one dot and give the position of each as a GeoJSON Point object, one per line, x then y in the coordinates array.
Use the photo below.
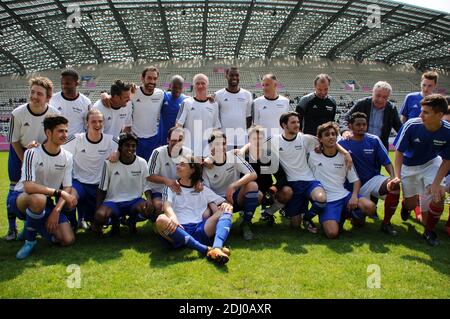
{"type": "Point", "coordinates": [416, 179]}
{"type": "Point", "coordinates": [372, 187]}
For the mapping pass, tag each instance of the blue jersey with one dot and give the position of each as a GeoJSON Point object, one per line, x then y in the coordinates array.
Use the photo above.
{"type": "Point", "coordinates": [419, 145]}
{"type": "Point", "coordinates": [411, 107]}
{"type": "Point", "coordinates": [169, 113]}
{"type": "Point", "coordinates": [368, 156]}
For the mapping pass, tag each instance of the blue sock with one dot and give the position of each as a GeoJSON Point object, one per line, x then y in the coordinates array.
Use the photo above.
{"type": "Point", "coordinates": [71, 215]}
{"type": "Point", "coordinates": [250, 204]}
{"type": "Point", "coordinates": [181, 238]}
{"type": "Point", "coordinates": [222, 229]}
{"type": "Point", "coordinates": [34, 223]}
{"type": "Point", "coordinates": [11, 216]}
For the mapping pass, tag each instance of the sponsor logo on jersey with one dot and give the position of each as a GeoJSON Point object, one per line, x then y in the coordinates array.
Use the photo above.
{"type": "Point", "coordinates": [298, 147]}
{"type": "Point", "coordinates": [417, 140]}
{"type": "Point", "coordinates": [167, 164]}
{"type": "Point", "coordinates": [138, 100]}
{"type": "Point", "coordinates": [315, 106]}
{"type": "Point", "coordinates": [59, 167]}
{"type": "Point", "coordinates": [329, 108]}
{"type": "Point", "coordinates": [226, 100]}
{"type": "Point", "coordinates": [26, 124]}
{"type": "Point", "coordinates": [338, 165]}
{"type": "Point", "coordinates": [83, 151]}
{"type": "Point", "coordinates": [116, 173]}
{"type": "Point", "coordinates": [439, 143]}
{"type": "Point", "coordinates": [136, 173]}
{"type": "Point", "coordinates": [368, 150]}
{"type": "Point", "coordinates": [281, 149]}
{"type": "Point", "coordinates": [60, 108]}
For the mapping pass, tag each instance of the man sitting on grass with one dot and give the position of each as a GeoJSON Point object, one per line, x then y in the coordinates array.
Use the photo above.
{"type": "Point", "coordinates": [329, 168]}
{"type": "Point", "coordinates": [120, 190]}
{"type": "Point", "coordinates": [45, 169]}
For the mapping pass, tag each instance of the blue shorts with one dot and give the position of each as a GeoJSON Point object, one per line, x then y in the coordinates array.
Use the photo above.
{"type": "Point", "coordinates": [123, 208]}
{"type": "Point", "coordinates": [336, 209]}
{"type": "Point", "coordinates": [14, 165]}
{"type": "Point", "coordinates": [87, 197]}
{"type": "Point", "coordinates": [146, 146]}
{"type": "Point", "coordinates": [302, 193]}
{"type": "Point", "coordinates": [197, 231]}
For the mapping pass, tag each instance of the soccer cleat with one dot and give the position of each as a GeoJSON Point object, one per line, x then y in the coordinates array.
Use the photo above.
{"type": "Point", "coordinates": [270, 219]}
{"type": "Point", "coordinates": [84, 225]}
{"type": "Point", "coordinates": [431, 237]}
{"type": "Point", "coordinates": [11, 234]}
{"type": "Point", "coordinates": [404, 213]}
{"type": "Point", "coordinates": [388, 229]}
{"type": "Point", "coordinates": [309, 226]}
{"type": "Point", "coordinates": [247, 231]}
{"type": "Point", "coordinates": [217, 255]}
{"type": "Point", "coordinates": [26, 249]}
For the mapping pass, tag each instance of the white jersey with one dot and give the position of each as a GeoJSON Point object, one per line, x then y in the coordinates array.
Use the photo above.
{"type": "Point", "coordinates": [74, 110]}
{"type": "Point", "coordinates": [46, 169]}
{"type": "Point", "coordinates": [146, 112]}
{"type": "Point", "coordinates": [27, 126]}
{"type": "Point", "coordinates": [234, 109]}
{"type": "Point", "coordinates": [88, 157]}
{"type": "Point", "coordinates": [190, 205]}
{"type": "Point", "coordinates": [161, 163]}
{"type": "Point", "coordinates": [332, 173]}
{"type": "Point", "coordinates": [267, 113]}
{"type": "Point", "coordinates": [220, 176]}
{"type": "Point", "coordinates": [198, 118]}
{"type": "Point", "coordinates": [124, 182]}
{"type": "Point", "coordinates": [293, 155]}
{"type": "Point", "coordinates": [114, 119]}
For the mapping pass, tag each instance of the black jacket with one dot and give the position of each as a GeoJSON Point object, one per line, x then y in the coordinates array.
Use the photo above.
{"type": "Point", "coordinates": [391, 119]}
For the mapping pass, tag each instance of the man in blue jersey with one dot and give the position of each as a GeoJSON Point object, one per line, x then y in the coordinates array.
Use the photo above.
{"type": "Point", "coordinates": [411, 106]}
{"type": "Point", "coordinates": [411, 109]}
{"type": "Point", "coordinates": [369, 154]}
{"type": "Point", "coordinates": [170, 107]}
{"type": "Point", "coordinates": [418, 165]}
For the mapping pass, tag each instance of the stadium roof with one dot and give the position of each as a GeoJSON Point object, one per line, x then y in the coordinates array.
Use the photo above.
{"type": "Point", "coordinates": [35, 35]}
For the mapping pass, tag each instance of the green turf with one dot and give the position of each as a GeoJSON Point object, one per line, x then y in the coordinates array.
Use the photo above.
{"type": "Point", "coordinates": [278, 263]}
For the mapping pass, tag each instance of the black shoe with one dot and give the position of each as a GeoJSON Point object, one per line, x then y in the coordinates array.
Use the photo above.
{"type": "Point", "coordinates": [431, 237]}
{"type": "Point", "coordinates": [404, 213]}
{"type": "Point", "coordinates": [270, 219]}
{"type": "Point", "coordinates": [115, 230]}
{"type": "Point", "coordinates": [388, 229]}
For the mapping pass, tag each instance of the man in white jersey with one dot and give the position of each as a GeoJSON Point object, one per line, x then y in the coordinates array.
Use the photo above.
{"type": "Point", "coordinates": [45, 169]}
{"type": "Point", "coordinates": [235, 107]}
{"type": "Point", "coordinates": [224, 178]}
{"type": "Point", "coordinates": [72, 104]}
{"type": "Point", "coordinates": [147, 102]}
{"type": "Point", "coordinates": [267, 109]}
{"type": "Point", "coordinates": [162, 165]}
{"type": "Point", "coordinates": [117, 118]}
{"type": "Point", "coordinates": [292, 148]}
{"type": "Point", "coordinates": [199, 116]}
{"type": "Point", "coordinates": [121, 187]}
{"type": "Point", "coordinates": [26, 131]}
{"type": "Point", "coordinates": [89, 150]}
{"type": "Point", "coordinates": [329, 168]}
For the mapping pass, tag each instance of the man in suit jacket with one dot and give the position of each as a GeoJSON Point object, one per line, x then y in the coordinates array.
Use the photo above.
{"type": "Point", "coordinates": [382, 115]}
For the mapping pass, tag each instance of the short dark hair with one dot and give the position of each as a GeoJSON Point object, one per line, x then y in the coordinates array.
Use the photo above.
{"type": "Point", "coordinates": [437, 102]}
{"type": "Point", "coordinates": [125, 137]}
{"type": "Point", "coordinates": [325, 127]}
{"type": "Point", "coordinates": [322, 77]}
{"type": "Point", "coordinates": [72, 73]}
{"type": "Point", "coordinates": [119, 86]}
{"type": "Point", "coordinates": [51, 121]}
{"type": "Point", "coordinates": [151, 69]}
{"type": "Point", "coordinates": [173, 129]}
{"type": "Point", "coordinates": [216, 134]}
{"type": "Point", "coordinates": [284, 118]}
{"type": "Point", "coordinates": [232, 68]}
{"type": "Point", "coordinates": [357, 115]}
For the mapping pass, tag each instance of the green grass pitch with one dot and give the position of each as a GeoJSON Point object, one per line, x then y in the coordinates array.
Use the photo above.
{"type": "Point", "coordinates": [279, 263]}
